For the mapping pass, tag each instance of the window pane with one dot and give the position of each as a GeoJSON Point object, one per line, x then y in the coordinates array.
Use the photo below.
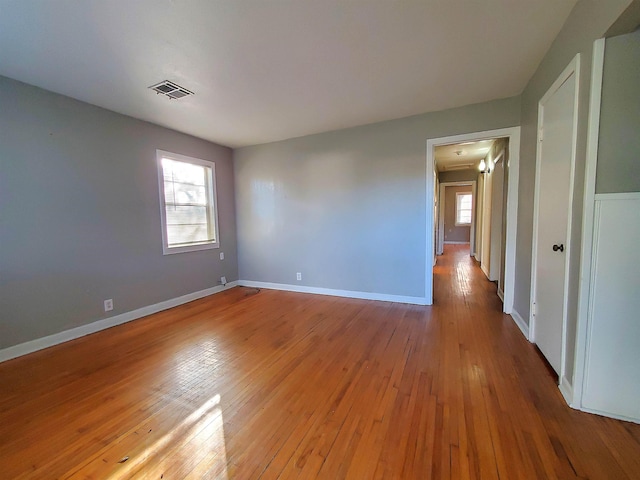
{"type": "Point", "coordinates": [463, 208]}
{"type": "Point", "coordinates": [181, 193]}
{"type": "Point", "coordinates": [187, 234]}
{"type": "Point", "coordinates": [180, 215]}
{"type": "Point", "coordinates": [183, 172]}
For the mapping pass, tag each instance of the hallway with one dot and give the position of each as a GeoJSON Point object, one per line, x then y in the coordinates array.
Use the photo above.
{"type": "Point", "coordinates": [265, 384]}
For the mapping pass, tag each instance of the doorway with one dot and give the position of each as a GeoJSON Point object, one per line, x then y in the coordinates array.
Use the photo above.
{"type": "Point", "coordinates": [513, 136]}
{"type": "Point", "coordinates": [452, 204]}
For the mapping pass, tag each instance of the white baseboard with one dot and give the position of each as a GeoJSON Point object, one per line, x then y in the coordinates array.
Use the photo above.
{"type": "Point", "coordinates": [610, 415]}
{"type": "Point", "coordinates": [500, 295]}
{"type": "Point", "coordinates": [567, 391]}
{"type": "Point", "coordinates": [93, 327]}
{"type": "Point", "coordinates": [335, 293]}
{"type": "Point", "coordinates": [522, 325]}
{"type": "Point", "coordinates": [455, 243]}
{"type": "Point", "coordinates": [485, 271]}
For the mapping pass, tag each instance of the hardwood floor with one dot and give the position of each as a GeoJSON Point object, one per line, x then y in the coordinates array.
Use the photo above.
{"type": "Point", "coordinates": [264, 384]}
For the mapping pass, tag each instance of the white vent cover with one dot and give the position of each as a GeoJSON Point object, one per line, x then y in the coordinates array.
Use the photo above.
{"type": "Point", "coordinates": [171, 90]}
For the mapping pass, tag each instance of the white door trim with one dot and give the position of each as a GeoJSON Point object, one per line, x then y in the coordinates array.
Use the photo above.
{"type": "Point", "coordinates": [513, 134]}
{"type": "Point", "coordinates": [572, 69]}
{"type": "Point", "coordinates": [443, 186]}
{"type": "Point", "coordinates": [588, 216]}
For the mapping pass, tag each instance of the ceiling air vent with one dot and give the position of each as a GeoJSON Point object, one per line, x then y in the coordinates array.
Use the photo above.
{"type": "Point", "coordinates": [171, 90]}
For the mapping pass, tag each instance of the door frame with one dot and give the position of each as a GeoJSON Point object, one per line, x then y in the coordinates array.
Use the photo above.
{"type": "Point", "coordinates": [573, 68]}
{"type": "Point", "coordinates": [513, 134]}
{"type": "Point", "coordinates": [441, 202]}
{"type": "Point", "coordinates": [572, 390]}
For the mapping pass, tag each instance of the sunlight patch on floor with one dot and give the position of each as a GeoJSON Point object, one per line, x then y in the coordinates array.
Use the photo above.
{"type": "Point", "coordinates": [201, 431]}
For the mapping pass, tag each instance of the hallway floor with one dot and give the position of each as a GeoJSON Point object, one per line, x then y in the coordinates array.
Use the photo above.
{"type": "Point", "coordinates": [266, 384]}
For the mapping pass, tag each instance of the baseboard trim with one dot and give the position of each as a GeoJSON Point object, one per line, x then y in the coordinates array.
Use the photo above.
{"type": "Point", "coordinates": [610, 415]}
{"type": "Point", "coordinates": [500, 295]}
{"type": "Point", "coordinates": [485, 271]}
{"type": "Point", "coordinates": [522, 325]}
{"type": "Point", "coordinates": [567, 391]}
{"type": "Point", "coordinates": [447, 242]}
{"type": "Point", "coordinates": [335, 293]}
{"type": "Point", "coordinates": [93, 327]}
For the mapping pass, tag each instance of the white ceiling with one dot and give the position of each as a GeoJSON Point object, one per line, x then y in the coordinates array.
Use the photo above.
{"type": "Point", "coordinates": [270, 70]}
{"type": "Point", "coordinates": [462, 155]}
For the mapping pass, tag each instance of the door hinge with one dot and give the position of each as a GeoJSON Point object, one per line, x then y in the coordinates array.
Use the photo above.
{"type": "Point", "coordinates": [533, 309]}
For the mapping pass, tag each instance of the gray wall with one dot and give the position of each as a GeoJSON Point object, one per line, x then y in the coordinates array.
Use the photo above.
{"type": "Point", "coordinates": [469, 174]}
{"type": "Point", "coordinates": [618, 167]}
{"type": "Point", "coordinates": [588, 21]}
{"type": "Point", "coordinates": [347, 208]}
{"type": "Point", "coordinates": [80, 214]}
{"type": "Point", "coordinates": [453, 233]}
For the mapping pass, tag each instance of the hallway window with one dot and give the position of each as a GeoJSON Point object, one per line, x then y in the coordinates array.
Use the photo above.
{"type": "Point", "coordinates": [463, 209]}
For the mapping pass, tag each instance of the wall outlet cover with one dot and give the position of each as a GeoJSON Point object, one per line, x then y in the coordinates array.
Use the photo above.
{"type": "Point", "coordinates": [108, 305]}
{"type": "Point", "coordinates": [223, 280]}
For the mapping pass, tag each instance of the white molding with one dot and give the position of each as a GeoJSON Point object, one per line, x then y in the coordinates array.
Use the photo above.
{"type": "Point", "coordinates": [573, 68]}
{"type": "Point", "coordinates": [513, 134]}
{"type": "Point", "coordinates": [522, 325]}
{"type": "Point", "coordinates": [383, 297]}
{"type": "Point", "coordinates": [430, 247]}
{"type": "Point", "coordinates": [512, 222]}
{"type": "Point", "coordinates": [447, 242]}
{"type": "Point", "coordinates": [588, 216]}
{"type": "Point", "coordinates": [93, 327]}
{"type": "Point", "coordinates": [485, 270]}
{"type": "Point", "coordinates": [603, 197]}
{"type": "Point", "coordinates": [500, 294]}
{"type": "Point", "coordinates": [566, 390]}
{"type": "Point", "coordinates": [610, 415]}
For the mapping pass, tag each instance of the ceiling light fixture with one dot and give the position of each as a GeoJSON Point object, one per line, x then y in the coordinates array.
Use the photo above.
{"type": "Point", "coordinates": [482, 166]}
{"type": "Point", "coordinates": [171, 90]}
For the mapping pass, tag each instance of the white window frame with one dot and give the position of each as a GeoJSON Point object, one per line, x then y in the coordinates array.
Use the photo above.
{"type": "Point", "coordinates": [212, 203]}
{"type": "Point", "coordinates": [458, 195]}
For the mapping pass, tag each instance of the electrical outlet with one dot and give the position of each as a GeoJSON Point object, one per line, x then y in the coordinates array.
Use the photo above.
{"type": "Point", "coordinates": [223, 280]}
{"type": "Point", "coordinates": [108, 305]}
{"type": "Point", "coordinates": [298, 276]}
{"type": "Point", "coordinates": [221, 255]}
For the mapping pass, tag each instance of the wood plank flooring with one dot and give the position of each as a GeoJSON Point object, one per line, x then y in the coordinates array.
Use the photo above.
{"type": "Point", "coordinates": [252, 384]}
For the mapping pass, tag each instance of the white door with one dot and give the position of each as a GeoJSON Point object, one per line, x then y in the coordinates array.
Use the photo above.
{"type": "Point", "coordinates": [554, 178]}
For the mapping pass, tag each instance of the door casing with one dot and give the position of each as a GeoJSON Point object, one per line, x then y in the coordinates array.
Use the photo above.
{"type": "Point", "coordinates": [441, 207]}
{"type": "Point", "coordinates": [513, 134]}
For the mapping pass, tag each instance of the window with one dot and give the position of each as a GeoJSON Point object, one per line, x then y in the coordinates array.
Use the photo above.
{"type": "Point", "coordinates": [463, 209]}
{"type": "Point", "coordinates": [187, 203]}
